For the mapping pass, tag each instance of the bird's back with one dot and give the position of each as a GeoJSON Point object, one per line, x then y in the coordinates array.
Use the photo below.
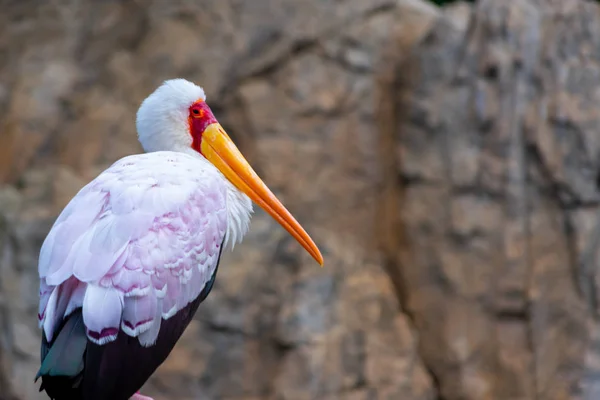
{"type": "Point", "coordinates": [124, 269]}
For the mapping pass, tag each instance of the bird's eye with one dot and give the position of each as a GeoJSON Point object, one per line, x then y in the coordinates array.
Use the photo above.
{"type": "Point", "coordinates": [196, 111]}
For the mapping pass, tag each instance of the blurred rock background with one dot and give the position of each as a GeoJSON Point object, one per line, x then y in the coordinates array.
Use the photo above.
{"type": "Point", "coordinates": [446, 160]}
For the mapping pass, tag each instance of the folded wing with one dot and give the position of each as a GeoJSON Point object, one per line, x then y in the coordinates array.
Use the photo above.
{"type": "Point", "coordinates": [135, 246]}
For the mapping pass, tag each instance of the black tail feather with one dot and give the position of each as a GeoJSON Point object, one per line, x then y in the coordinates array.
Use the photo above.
{"type": "Point", "coordinates": [74, 368]}
{"type": "Point", "coordinates": [62, 366]}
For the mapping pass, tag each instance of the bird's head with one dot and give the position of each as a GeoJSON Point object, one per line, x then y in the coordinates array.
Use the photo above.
{"type": "Point", "coordinates": [175, 117]}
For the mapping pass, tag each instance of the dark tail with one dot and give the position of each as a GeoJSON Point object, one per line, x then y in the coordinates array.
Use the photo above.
{"type": "Point", "coordinates": [63, 360]}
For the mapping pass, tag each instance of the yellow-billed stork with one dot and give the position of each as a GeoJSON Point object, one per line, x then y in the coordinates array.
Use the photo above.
{"type": "Point", "coordinates": [130, 258]}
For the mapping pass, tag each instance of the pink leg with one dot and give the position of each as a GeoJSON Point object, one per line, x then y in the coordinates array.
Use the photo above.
{"type": "Point", "coordinates": [139, 396]}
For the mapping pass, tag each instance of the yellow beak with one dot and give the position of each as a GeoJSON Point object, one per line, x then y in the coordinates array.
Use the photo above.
{"type": "Point", "coordinates": [220, 150]}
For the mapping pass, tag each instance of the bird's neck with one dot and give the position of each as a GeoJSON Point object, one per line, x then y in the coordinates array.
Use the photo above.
{"type": "Point", "coordinates": [239, 209]}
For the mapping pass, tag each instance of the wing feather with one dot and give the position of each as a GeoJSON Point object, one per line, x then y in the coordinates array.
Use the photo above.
{"type": "Point", "coordinates": [102, 311]}
{"type": "Point", "coordinates": [138, 314]}
{"type": "Point", "coordinates": [136, 245]}
{"type": "Point", "coordinates": [76, 219]}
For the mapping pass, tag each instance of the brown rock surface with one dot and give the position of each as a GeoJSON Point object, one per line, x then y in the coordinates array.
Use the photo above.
{"type": "Point", "coordinates": [445, 161]}
{"type": "Point", "coordinates": [496, 216]}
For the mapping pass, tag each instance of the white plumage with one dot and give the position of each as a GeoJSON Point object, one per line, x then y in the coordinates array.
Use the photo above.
{"type": "Point", "coordinates": [138, 244]}
{"type": "Point", "coordinates": [162, 119]}
{"type": "Point", "coordinates": [135, 252]}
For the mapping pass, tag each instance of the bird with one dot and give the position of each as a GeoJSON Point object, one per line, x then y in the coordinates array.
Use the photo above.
{"type": "Point", "coordinates": [130, 258]}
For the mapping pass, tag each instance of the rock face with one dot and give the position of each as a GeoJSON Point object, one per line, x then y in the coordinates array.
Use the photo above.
{"type": "Point", "coordinates": [497, 152]}
{"type": "Point", "coordinates": [445, 160]}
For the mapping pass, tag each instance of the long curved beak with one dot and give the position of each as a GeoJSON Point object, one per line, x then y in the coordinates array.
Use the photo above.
{"type": "Point", "coordinates": [220, 150]}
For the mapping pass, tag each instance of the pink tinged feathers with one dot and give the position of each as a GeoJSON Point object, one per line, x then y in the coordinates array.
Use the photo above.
{"type": "Point", "coordinates": [51, 315]}
{"type": "Point", "coordinates": [134, 247]}
{"type": "Point", "coordinates": [76, 298]}
{"type": "Point", "coordinates": [76, 219]}
{"type": "Point", "coordinates": [138, 314]}
{"type": "Point", "coordinates": [62, 300]}
{"type": "Point", "coordinates": [102, 311]}
{"type": "Point", "coordinates": [174, 291]}
{"type": "Point", "coordinates": [132, 283]}
{"type": "Point", "coordinates": [148, 337]}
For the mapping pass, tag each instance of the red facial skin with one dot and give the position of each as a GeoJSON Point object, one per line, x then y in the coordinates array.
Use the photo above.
{"type": "Point", "coordinates": [200, 117]}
